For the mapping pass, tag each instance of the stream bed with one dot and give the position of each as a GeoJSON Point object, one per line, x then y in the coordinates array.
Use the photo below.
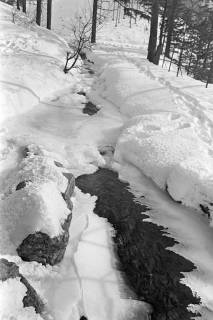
{"type": "Point", "coordinates": [149, 268]}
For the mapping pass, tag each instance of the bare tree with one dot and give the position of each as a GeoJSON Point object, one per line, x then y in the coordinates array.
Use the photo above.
{"type": "Point", "coordinates": [38, 12]}
{"type": "Point", "coordinates": [24, 5]}
{"type": "Point", "coordinates": [81, 33]}
{"type": "Point", "coordinates": [94, 21]}
{"type": "Point", "coordinates": [171, 18]}
{"type": "Point", "coordinates": [49, 13]}
{"type": "Point", "coordinates": [153, 32]}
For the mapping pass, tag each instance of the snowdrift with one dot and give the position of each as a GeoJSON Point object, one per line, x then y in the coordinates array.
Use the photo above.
{"type": "Point", "coordinates": [31, 65]}
{"type": "Point", "coordinates": [162, 139]}
{"type": "Point", "coordinates": [31, 200]}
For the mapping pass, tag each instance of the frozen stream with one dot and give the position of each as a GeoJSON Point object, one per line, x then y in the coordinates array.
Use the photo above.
{"type": "Point", "coordinates": [88, 282]}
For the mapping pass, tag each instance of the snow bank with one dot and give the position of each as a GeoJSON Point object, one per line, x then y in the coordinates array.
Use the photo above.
{"type": "Point", "coordinates": [171, 153]}
{"type": "Point", "coordinates": [12, 293]}
{"type": "Point", "coordinates": [104, 292]}
{"type": "Point", "coordinates": [31, 201]}
{"type": "Point", "coordinates": [131, 91]}
{"type": "Point", "coordinates": [31, 68]}
{"type": "Point", "coordinates": [164, 138]}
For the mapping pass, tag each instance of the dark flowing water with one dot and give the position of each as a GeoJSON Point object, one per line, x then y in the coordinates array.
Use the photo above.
{"type": "Point", "coordinates": [152, 271]}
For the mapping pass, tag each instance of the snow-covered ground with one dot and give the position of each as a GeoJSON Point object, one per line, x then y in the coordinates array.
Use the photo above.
{"type": "Point", "coordinates": [161, 128]}
{"type": "Point", "coordinates": [169, 135]}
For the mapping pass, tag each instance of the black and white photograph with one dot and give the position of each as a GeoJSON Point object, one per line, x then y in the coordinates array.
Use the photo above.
{"type": "Point", "coordinates": [106, 159]}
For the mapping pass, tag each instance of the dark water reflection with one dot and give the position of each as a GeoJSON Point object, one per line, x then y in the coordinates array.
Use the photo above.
{"type": "Point", "coordinates": [152, 271]}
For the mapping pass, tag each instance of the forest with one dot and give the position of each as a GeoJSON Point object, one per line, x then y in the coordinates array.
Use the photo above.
{"type": "Point", "coordinates": [181, 32]}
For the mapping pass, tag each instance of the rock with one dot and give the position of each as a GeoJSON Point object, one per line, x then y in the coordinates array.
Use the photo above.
{"type": "Point", "coordinates": [9, 270]}
{"type": "Point", "coordinates": [41, 247]}
{"type": "Point", "coordinates": [22, 185]}
{"type": "Point", "coordinates": [107, 150]}
{"type": "Point", "coordinates": [58, 164]}
{"type": "Point", "coordinates": [32, 299]}
{"type": "Point", "coordinates": [90, 108]}
{"type": "Point", "coordinates": [44, 249]}
{"type": "Point", "coordinates": [82, 93]}
{"type": "Point", "coordinates": [206, 210]}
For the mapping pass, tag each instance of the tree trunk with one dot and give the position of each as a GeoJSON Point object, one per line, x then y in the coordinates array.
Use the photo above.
{"type": "Point", "coordinates": [24, 6]}
{"type": "Point", "coordinates": [18, 4]}
{"type": "Point", "coordinates": [161, 42]}
{"type": "Point", "coordinates": [49, 13]}
{"type": "Point", "coordinates": [153, 32]}
{"type": "Point", "coordinates": [38, 12]}
{"type": "Point", "coordinates": [94, 21]}
{"type": "Point", "coordinates": [170, 26]}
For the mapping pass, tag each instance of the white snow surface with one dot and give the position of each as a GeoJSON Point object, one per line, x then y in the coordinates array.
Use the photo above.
{"type": "Point", "coordinates": [169, 135]}
{"type": "Point", "coordinates": [31, 65]}
{"type": "Point", "coordinates": [160, 124]}
{"type": "Point", "coordinates": [12, 293]}
{"type": "Point", "coordinates": [38, 206]}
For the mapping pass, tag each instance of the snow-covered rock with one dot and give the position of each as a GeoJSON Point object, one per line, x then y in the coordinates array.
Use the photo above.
{"type": "Point", "coordinates": [35, 216]}
{"type": "Point", "coordinates": [19, 300]}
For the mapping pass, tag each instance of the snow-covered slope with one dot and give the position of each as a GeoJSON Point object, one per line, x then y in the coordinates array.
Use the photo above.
{"type": "Point", "coordinates": [169, 137]}
{"type": "Point", "coordinates": [32, 61]}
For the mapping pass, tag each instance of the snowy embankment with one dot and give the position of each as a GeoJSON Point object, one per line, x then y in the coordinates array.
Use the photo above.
{"type": "Point", "coordinates": [32, 185]}
{"type": "Point", "coordinates": [168, 129]}
{"type": "Point", "coordinates": [32, 59]}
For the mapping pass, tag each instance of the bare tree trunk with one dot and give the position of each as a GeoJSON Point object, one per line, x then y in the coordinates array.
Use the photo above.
{"type": "Point", "coordinates": [24, 6]}
{"type": "Point", "coordinates": [38, 12]}
{"type": "Point", "coordinates": [18, 4]}
{"type": "Point", "coordinates": [94, 21]}
{"type": "Point", "coordinates": [161, 43]}
{"type": "Point", "coordinates": [153, 32]}
{"type": "Point", "coordinates": [181, 52]}
{"type": "Point", "coordinates": [113, 16]}
{"type": "Point", "coordinates": [170, 26]}
{"type": "Point", "coordinates": [49, 13]}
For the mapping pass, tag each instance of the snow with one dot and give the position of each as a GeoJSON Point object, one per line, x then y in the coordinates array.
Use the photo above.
{"type": "Point", "coordinates": [101, 283]}
{"type": "Point", "coordinates": [169, 136]}
{"type": "Point", "coordinates": [28, 54]}
{"type": "Point", "coordinates": [170, 152]}
{"type": "Point", "coordinates": [12, 293]}
{"type": "Point", "coordinates": [37, 206]}
{"type": "Point", "coordinates": [161, 128]}
{"type": "Point", "coordinates": [86, 282]}
{"type": "Point", "coordinates": [191, 230]}
{"type": "Point", "coordinates": [64, 12]}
